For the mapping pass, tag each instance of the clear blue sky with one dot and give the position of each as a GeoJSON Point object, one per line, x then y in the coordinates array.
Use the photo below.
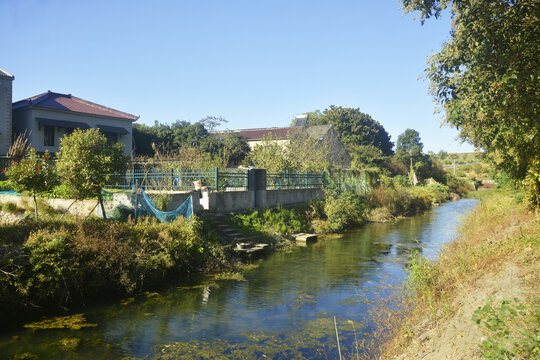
{"type": "Point", "coordinates": [256, 63]}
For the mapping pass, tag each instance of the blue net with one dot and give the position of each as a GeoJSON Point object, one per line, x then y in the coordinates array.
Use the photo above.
{"type": "Point", "coordinates": [185, 209]}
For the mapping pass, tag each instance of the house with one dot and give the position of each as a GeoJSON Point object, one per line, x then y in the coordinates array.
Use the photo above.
{"type": "Point", "coordinates": [49, 116]}
{"type": "Point", "coordinates": [337, 155]}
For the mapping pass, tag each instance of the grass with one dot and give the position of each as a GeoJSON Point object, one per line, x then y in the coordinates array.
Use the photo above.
{"type": "Point", "coordinates": [501, 231]}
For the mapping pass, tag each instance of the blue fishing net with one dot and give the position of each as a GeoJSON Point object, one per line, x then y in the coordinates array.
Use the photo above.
{"type": "Point", "coordinates": [185, 209]}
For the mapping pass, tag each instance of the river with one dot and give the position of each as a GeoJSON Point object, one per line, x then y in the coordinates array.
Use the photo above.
{"type": "Point", "coordinates": [282, 307]}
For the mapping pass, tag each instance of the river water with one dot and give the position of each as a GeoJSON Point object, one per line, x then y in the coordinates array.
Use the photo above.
{"type": "Point", "coordinates": [282, 307]}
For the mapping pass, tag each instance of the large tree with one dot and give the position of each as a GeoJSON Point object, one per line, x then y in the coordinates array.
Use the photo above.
{"type": "Point", "coordinates": [353, 126]}
{"type": "Point", "coordinates": [487, 78]}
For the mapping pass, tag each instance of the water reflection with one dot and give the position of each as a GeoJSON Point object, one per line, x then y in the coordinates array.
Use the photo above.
{"type": "Point", "coordinates": [286, 297]}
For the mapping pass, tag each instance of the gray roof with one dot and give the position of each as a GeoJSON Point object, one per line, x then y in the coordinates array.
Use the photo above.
{"type": "Point", "coordinates": [4, 74]}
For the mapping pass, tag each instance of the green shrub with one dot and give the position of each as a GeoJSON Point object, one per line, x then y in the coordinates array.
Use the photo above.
{"type": "Point", "coordinates": [5, 185]}
{"type": "Point", "coordinates": [344, 211]}
{"type": "Point", "coordinates": [10, 207]}
{"type": "Point", "coordinates": [122, 213]}
{"type": "Point", "coordinates": [53, 270]}
{"type": "Point", "coordinates": [283, 221]}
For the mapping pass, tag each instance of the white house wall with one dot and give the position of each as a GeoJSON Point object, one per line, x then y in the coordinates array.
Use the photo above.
{"type": "Point", "coordinates": [26, 119]}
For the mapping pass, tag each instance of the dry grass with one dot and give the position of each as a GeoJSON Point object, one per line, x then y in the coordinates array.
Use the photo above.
{"type": "Point", "coordinates": [499, 234]}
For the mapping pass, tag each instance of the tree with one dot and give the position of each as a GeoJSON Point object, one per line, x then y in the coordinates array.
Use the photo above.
{"type": "Point", "coordinates": [302, 153]}
{"type": "Point", "coordinates": [409, 145]}
{"type": "Point", "coordinates": [34, 173]}
{"type": "Point", "coordinates": [353, 127]}
{"type": "Point", "coordinates": [86, 162]}
{"type": "Point", "coordinates": [486, 78]}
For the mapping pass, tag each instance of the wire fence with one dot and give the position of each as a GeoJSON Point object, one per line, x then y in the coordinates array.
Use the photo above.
{"type": "Point", "coordinates": [348, 181]}
{"type": "Point", "coordinates": [294, 180]}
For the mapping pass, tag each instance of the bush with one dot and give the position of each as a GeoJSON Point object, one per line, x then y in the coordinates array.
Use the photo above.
{"type": "Point", "coordinates": [283, 221]}
{"type": "Point", "coordinates": [344, 211]}
{"type": "Point", "coordinates": [10, 207]}
{"type": "Point", "coordinates": [65, 262]}
{"type": "Point", "coordinates": [5, 185]}
{"type": "Point", "coordinates": [122, 213]}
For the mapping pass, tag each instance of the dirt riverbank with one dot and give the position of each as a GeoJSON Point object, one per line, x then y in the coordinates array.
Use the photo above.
{"type": "Point", "coordinates": [465, 302]}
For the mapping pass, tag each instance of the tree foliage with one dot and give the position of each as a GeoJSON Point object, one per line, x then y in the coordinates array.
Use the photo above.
{"type": "Point", "coordinates": [353, 127]}
{"type": "Point", "coordinates": [409, 145]}
{"type": "Point", "coordinates": [86, 162]}
{"type": "Point", "coordinates": [486, 77]}
{"type": "Point", "coordinates": [302, 153]}
{"type": "Point", "coordinates": [34, 173]}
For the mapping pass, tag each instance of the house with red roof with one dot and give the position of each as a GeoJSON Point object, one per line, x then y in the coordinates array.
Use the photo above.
{"type": "Point", "coordinates": [49, 116]}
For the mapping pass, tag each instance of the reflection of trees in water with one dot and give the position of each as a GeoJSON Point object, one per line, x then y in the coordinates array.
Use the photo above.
{"type": "Point", "coordinates": [286, 282]}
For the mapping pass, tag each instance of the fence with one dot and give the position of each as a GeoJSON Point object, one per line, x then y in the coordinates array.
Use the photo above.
{"type": "Point", "coordinates": [217, 179]}
{"type": "Point", "coordinates": [183, 180]}
{"type": "Point", "coordinates": [348, 181]}
{"type": "Point", "coordinates": [294, 180]}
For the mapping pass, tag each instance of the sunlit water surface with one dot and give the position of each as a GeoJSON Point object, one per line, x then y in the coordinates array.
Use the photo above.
{"type": "Point", "coordinates": [284, 309]}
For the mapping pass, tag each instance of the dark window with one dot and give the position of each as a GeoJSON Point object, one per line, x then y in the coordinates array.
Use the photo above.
{"type": "Point", "coordinates": [49, 135]}
{"type": "Point", "coordinates": [112, 138]}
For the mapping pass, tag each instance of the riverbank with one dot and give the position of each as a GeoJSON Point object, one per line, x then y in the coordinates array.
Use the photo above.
{"type": "Point", "coordinates": [479, 299]}
{"type": "Point", "coordinates": [56, 265]}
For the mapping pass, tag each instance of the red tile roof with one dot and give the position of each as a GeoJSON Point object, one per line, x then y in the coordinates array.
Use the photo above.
{"type": "Point", "coordinates": [276, 133]}
{"type": "Point", "coordinates": [56, 101]}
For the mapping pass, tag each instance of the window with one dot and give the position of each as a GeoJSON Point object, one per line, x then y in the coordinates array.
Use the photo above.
{"type": "Point", "coordinates": [112, 138]}
{"type": "Point", "coordinates": [49, 135]}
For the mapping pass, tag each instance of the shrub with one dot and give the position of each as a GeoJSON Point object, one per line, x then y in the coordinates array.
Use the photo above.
{"type": "Point", "coordinates": [54, 266]}
{"type": "Point", "coordinates": [10, 207]}
{"type": "Point", "coordinates": [36, 174]}
{"type": "Point", "coordinates": [122, 213]}
{"type": "Point", "coordinates": [5, 185]}
{"type": "Point", "coordinates": [344, 211]}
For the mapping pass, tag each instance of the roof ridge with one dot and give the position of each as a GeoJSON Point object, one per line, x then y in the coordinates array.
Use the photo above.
{"type": "Point", "coordinates": [34, 100]}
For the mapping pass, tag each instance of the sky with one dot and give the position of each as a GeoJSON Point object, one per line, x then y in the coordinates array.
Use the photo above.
{"type": "Point", "coordinates": [255, 63]}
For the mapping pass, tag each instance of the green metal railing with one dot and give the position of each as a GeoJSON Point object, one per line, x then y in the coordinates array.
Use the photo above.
{"type": "Point", "coordinates": [181, 180]}
{"type": "Point", "coordinates": [294, 180]}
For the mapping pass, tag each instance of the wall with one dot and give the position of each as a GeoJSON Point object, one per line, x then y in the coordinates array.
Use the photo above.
{"type": "Point", "coordinates": [243, 200]}
{"type": "Point", "coordinates": [5, 112]}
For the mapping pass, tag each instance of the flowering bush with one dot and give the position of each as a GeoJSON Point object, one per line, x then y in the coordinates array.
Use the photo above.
{"type": "Point", "coordinates": [35, 173]}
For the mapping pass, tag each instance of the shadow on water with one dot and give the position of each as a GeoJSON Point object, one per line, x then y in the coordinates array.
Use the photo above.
{"type": "Point", "coordinates": [282, 308]}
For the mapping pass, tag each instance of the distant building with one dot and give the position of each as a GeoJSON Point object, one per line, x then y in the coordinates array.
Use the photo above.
{"type": "Point", "coordinates": [49, 116]}
{"type": "Point", "coordinates": [337, 155]}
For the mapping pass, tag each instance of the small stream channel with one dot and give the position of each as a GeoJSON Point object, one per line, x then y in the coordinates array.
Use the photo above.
{"type": "Point", "coordinates": [281, 308]}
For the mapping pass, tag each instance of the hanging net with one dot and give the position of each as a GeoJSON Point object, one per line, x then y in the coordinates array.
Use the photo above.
{"type": "Point", "coordinates": [185, 209]}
